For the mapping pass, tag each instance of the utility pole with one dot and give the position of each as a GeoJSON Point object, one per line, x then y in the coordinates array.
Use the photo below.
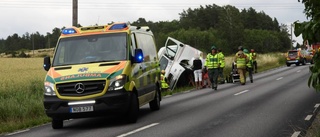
{"type": "Point", "coordinates": [291, 35]}
{"type": "Point", "coordinates": [49, 41]}
{"type": "Point", "coordinates": [33, 43]}
{"type": "Point", "coordinates": [75, 13]}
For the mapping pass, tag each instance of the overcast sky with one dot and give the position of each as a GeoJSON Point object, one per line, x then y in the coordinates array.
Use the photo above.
{"type": "Point", "coordinates": [21, 16]}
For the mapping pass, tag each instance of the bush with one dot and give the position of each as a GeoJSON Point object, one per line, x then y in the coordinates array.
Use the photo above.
{"type": "Point", "coordinates": [23, 55]}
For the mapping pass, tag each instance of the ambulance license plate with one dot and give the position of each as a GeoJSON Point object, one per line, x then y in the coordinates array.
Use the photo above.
{"type": "Point", "coordinates": [81, 109]}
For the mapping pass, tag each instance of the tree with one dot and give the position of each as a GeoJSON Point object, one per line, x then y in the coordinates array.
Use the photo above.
{"type": "Point", "coordinates": [230, 28]}
{"type": "Point", "coordinates": [310, 30]}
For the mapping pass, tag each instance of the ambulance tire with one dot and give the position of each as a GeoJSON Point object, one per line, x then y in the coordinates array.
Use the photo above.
{"type": "Point", "coordinates": [57, 124]}
{"type": "Point", "coordinates": [155, 103]}
{"type": "Point", "coordinates": [132, 115]}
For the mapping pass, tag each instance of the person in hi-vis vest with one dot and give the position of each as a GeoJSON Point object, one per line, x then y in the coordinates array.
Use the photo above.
{"type": "Point", "coordinates": [249, 64]}
{"type": "Point", "coordinates": [212, 65]}
{"type": "Point", "coordinates": [241, 59]}
{"type": "Point", "coordinates": [254, 61]}
{"type": "Point", "coordinates": [164, 84]}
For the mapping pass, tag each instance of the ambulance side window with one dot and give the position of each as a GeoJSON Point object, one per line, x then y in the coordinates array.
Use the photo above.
{"type": "Point", "coordinates": [133, 44]}
{"type": "Point", "coordinates": [147, 44]}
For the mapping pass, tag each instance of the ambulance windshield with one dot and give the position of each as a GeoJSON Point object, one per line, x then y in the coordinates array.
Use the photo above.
{"type": "Point", "coordinates": [91, 49]}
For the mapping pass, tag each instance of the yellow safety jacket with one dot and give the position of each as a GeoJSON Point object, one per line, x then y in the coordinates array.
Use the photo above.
{"type": "Point", "coordinates": [164, 84]}
{"type": "Point", "coordinates": [212, 61]}
{"type": "Point", "coordinates": [254, 56]}
{"type": "Point", "coordinates": [221, 60]}
{"type": "Point", "coordinates": [241, 60]}
{"type": "Point", "coordinates": [250, 62]}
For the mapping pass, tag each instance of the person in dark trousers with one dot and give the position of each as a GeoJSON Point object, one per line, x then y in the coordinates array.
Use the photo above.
{"type": "Point", "coordinates": [253, 54]}
{"type": "Point", "coordinates": [197, 70]}
{"type": "Point", "coordinates": [212, 64]}
{"type": "Point", "coordinates": [249, 64]}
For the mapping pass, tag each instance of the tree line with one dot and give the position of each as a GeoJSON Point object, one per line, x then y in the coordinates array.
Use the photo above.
{"type": "Point", "coordinates": [226, 27]}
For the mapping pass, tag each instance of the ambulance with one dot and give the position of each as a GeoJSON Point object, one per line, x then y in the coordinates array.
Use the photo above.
{"type": "Point", "coordinates": [108, 70]}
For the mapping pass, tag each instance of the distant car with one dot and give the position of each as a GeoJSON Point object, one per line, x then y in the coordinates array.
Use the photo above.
{"type": "Point", "coordinates": [298, 57]}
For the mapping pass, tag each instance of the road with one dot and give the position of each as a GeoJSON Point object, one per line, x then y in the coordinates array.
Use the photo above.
{"type": "Point", "coordinates": [278, 104]}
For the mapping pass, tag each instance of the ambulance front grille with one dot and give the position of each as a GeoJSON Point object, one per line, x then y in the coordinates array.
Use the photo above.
{"type": "Point", "coordinates": [83, 88]}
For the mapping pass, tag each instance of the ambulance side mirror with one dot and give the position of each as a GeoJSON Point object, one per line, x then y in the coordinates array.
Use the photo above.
{"type": "Point", "coordinates": [46, 63]}
{"type": "Point", "coordinates": [138, 56]}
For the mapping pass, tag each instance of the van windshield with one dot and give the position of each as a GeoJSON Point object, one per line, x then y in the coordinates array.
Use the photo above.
{"type": "Point", "coordinates": [90, 49]}
{"type": "Point", "coordinates": [293, 53]}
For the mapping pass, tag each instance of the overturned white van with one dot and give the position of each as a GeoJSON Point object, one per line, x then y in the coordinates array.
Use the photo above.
{"type": "Point", "coordinates": [176, 59]}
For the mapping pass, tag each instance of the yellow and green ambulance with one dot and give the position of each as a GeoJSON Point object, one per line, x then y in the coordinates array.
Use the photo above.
{"type": "Point", "coordinates": [101, 71]}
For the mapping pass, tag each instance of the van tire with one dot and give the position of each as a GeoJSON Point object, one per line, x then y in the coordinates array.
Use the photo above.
{"type": "Point", "coordinates": [132, 114]}
{"type": "Point", "coordinates": [57, 124]}
{"type": "Point", "coordinates": [304, 62]}
{"type": "Point", "coordinates": [155, 103]}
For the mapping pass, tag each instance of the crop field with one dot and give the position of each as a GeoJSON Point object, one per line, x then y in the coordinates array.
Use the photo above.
{"type": "Point", "coordinates": [21, 93]}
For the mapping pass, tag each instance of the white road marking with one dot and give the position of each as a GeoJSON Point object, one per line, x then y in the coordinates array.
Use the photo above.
{"type": "Point", "coordinates": [187, 91]}
{"type": "Point", "coordinates": [299, 71]}
{"type": "Point", "coordinates": [296, 134]}
{"type": "Point", "coordinates": [167, 96]}
{"type": "Point", "coordinates": [137, 130]}
{"type": "Point", "coordinates": [279, 78]}
{"type": "Point", "coordinates": [317, 105]}
{"type": "Point", "coordinates": [21, 131]}
{"type": "Point", "coordinates": [308, 117]}
{"type": "Point", "coordinates": [241, 92]}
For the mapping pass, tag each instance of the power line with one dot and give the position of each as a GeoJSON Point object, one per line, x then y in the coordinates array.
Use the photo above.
{"type": "Point", "coordinates": [95, 5]}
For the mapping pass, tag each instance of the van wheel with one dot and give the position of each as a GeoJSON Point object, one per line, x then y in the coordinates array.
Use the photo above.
{"type": "Point", "coordinates": [57, 124]}
{"type": "Point", "coordinates": [132, 115]}
{"type": "Point", "coordinates": [155, 103]}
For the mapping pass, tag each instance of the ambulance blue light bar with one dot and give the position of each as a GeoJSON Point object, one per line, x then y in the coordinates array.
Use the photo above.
{"type": "Point", "coordinates": [118, 26]}
{"type": "Point", "coordinates": [69, 31]}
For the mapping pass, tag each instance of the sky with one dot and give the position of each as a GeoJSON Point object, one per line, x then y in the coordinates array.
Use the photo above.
{"type": "Point", "coordinates": [22, 16]}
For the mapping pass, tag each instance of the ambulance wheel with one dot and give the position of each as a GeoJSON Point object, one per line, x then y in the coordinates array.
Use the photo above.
{"type": "Point", "coordinates": [132, 115]}
{"type": "Point", "coordinates": [155, 103]}
{"type": "Point", "coordinates": [57, 124]}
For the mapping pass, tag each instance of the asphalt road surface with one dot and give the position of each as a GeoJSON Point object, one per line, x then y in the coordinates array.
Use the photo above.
{"type": "Point", "coordinates": [278, 103]}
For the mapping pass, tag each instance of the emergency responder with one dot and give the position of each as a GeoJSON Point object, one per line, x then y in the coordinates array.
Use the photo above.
{"type": "Point", "coordinates": [164, 84]}
{"type": "Point", "coordinates": [241, 59]}
{"type": "Point", "coordinates": [222, 64]}
{"type": "Point", "coordinates": [254, 61]}
{"type": "Point", "coordinates": [249, 64]}
{"type": "Point", "coordinates": [212, 64]}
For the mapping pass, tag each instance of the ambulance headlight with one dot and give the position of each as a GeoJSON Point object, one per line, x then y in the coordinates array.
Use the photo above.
{"type": "Point", "coordinates": [118, 82]}
{"type": "Point", "coordinates": [49, 89]}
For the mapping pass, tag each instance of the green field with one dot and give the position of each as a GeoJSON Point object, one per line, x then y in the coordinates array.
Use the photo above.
{"type": "Point", "coordinates": [21, 92]}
